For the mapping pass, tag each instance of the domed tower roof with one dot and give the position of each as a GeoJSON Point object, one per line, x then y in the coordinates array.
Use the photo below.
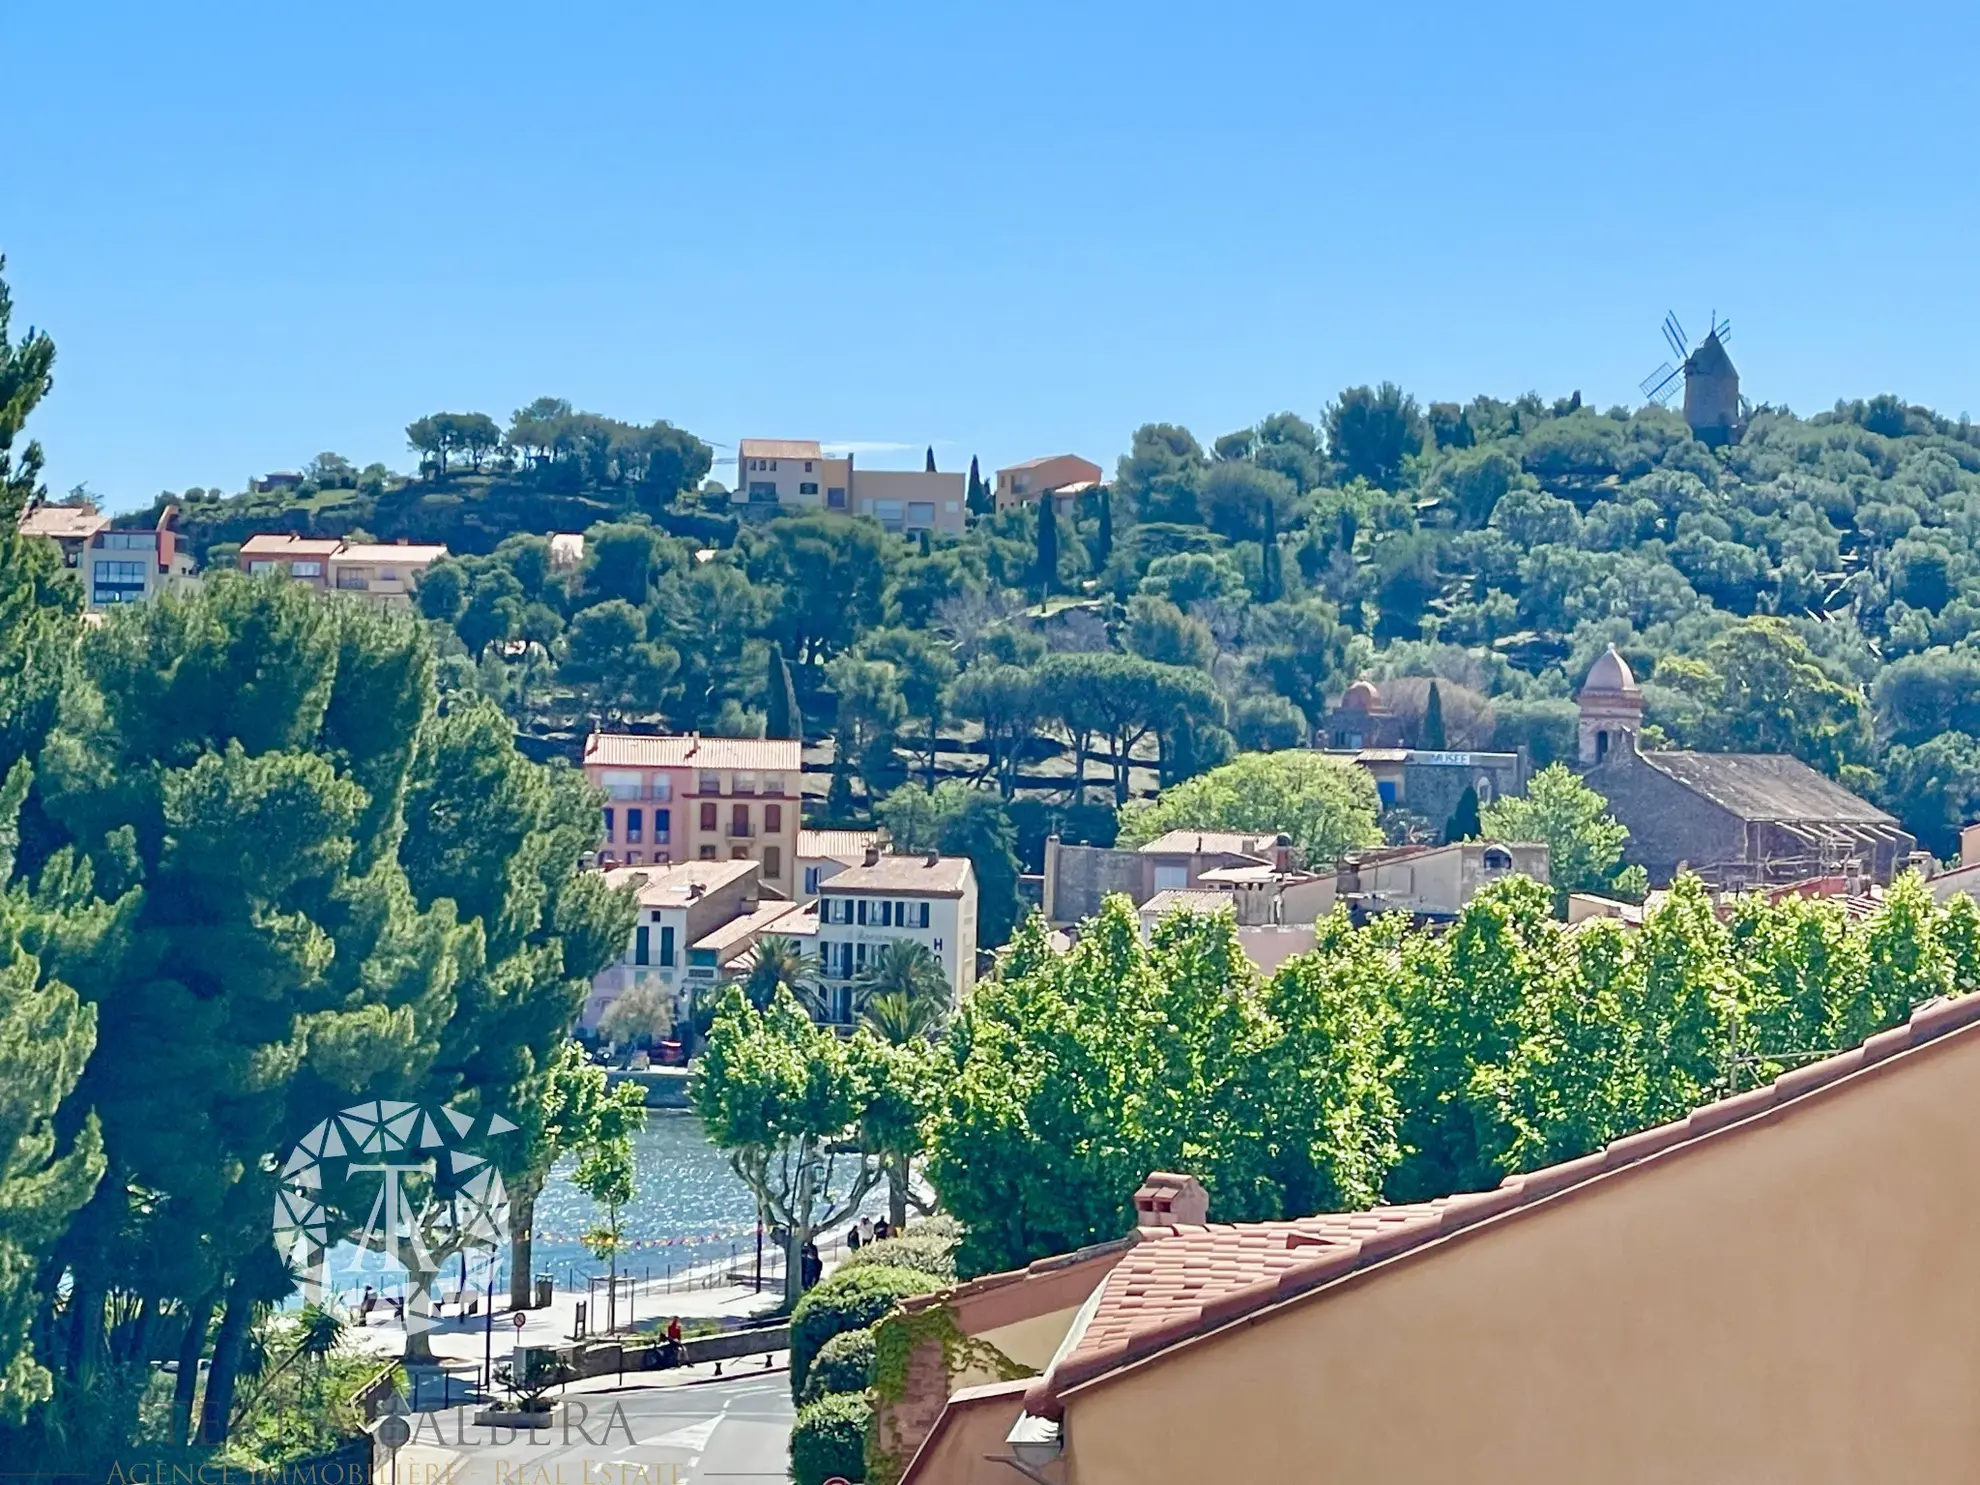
{"type": "Point", "coordinates": [1610, 676]}
{"type": "Point", "coordinates": [1362, 697]}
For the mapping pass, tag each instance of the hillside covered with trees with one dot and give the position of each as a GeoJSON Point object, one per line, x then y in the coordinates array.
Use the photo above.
{"type": "Point", "coordinates": [1813, 588]}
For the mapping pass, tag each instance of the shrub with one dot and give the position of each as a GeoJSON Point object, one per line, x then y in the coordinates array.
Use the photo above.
{"type": "Point", "coordinates": [843, 1364]}
{"type": "Point", "coordinates": [942, 1224]}
{"type": "Point", "coordinates": [849, 1300]}
{"type": "Point", "coordinates": [829, 1438]}
{"type": "Point", "coordinates": [930, 1253]}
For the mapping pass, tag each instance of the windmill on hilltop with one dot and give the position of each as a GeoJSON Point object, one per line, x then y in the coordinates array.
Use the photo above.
{"type": "Point", "coordinates": [1712, 404]}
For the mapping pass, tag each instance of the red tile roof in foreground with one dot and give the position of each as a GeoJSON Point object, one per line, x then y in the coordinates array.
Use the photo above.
{"type": "Point", "coordinates": [1178, 1284]}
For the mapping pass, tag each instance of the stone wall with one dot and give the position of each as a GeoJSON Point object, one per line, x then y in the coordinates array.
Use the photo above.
{"type": "Point", "coordinates": [1667, 822]}
{"type": "Point", "coordinates": [1079, 878]}
{"type": "Point", "coordinates": [1432, 790]}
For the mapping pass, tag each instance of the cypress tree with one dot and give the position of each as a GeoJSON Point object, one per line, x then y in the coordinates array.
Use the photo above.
{"type": "Point", "coordinates": [784, 719]}
{"type": "Point", "coordinates": [931, 458]}
{"type": "Point", "coordinates": [1433, 727]}
{"type": "Point", "coordinates": [1048, 548]}
{"type": "Point", "coordinates": [839, 797]}
{"type": "Point", "coordinates": [1463, 823]}
{"type": "Point", "coordinates": [979, 500]}
{"type": "Point", "coordinates": [1103, 545]}
{"type": "Point", "coordinates": [1268, 574]}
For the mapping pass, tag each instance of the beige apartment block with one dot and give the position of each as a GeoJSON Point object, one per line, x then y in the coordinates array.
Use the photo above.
{"type": "Point", "coordinates": [302, 559]}
{"type": "Point", "coordinates": [795, 474]}
{"type": "Point", "coordinates": [384, 574]}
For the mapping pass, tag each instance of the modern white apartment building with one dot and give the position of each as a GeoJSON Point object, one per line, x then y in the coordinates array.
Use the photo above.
{"type": "Point", "coordinates": [116, 564]}
{"type": "Point", "coordinates": [795, 474]}
{"type": "Point", "coordinates": [929, 900]}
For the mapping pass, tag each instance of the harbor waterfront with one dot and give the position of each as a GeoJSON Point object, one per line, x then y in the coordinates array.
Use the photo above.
{"type": "Point", "coordinates": [689, 1209]}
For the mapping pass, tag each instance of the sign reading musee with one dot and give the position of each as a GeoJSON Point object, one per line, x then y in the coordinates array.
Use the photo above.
{"type": "Point", "coordinates": [1444, 760]}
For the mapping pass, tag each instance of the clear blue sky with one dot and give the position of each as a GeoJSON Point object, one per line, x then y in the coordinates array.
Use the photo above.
{"type": "Point", "coordinates": [260, 231]}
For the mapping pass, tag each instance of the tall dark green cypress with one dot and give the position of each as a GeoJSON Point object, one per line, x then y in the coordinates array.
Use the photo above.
{"type": "Point", "coordinates": [1269, 587]}
{"type": "Point", "coordinates": [1048, 548]}
{"type": "Point", "coordinates": [1103, 545]}
{"type": "Point", "coordinates": [1464, 823]}
{"type": "Point", "coordinates": [784, 719]}
{"type": "Point", "coordinates": [978, 501]}
{"type": "Point", "coordinates": [1433, 725]}
{"type": "Point", "coordinates": [931, 458]}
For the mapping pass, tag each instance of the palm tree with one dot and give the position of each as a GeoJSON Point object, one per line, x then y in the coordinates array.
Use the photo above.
{"type": "Point", "coordinates": [901, 967]}
{"type": "Point", "coordinates": [898, 1019]}
{"type": "Point", "coordinates": [780, 961]}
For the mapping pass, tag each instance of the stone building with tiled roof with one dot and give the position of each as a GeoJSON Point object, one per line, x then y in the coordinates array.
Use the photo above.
{"type": "Point", "coordinates": [1739, 820]}
{"type": "Point", "coordinates": [1743, 820]}
{"type": "Point", "coordinates": [1773, 1288]}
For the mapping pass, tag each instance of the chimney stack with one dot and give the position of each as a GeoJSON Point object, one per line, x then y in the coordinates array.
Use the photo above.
{"type": "Point", "coordinates": [872, 855]}
{"type": "Point", "coordinates": [1282, 851]}
{"type": "Point", "coordinates": [934, 858]}
{"type": "Point", "coordinates": [1171, 1199]}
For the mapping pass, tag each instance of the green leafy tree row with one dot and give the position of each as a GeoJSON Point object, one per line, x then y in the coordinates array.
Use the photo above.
{"type": "Point", "coordinates": [1386, 1061]}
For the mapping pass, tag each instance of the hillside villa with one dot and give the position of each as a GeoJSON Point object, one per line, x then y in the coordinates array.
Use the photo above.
{"type": "Point", "coordinates": [776, 475]}
{"type": "Point", "coordinates": [1063, 477]}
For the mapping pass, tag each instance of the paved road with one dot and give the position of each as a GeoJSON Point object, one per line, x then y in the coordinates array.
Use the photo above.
{"type": "Point", "coordinates": [725, 1433]}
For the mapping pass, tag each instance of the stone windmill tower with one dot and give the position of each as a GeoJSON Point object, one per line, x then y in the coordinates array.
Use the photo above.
{"type": "Point", "coordinates": [1712, 404]}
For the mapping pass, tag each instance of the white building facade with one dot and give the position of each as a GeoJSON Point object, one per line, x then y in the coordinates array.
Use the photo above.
{"type": "Point", "coordinates": [928, 900]}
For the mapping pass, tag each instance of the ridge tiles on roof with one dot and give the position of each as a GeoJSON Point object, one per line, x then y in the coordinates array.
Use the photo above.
{"type": "Point", "coordinates": [1179, 1283]}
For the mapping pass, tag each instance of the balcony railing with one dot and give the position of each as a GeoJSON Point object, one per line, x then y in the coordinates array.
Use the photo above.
{"type": "Point", "coordinates": [741, 832]}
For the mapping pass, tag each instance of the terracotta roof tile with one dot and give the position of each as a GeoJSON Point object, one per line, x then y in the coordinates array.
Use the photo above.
{"type": "Point", "coordinates": [71, 522]}
{"type": "Point", "coordinates": [779, 448]}
{"type": "Point", "coordinates": [691, 750]}
{"type": "Point", "coordinates": [1176, 1284]}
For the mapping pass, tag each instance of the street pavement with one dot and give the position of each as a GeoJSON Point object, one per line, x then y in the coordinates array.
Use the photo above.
{"type": "Point", "coordinates": [731, 1432]}
{"type": "Point", "coordinates": [460, 1341]}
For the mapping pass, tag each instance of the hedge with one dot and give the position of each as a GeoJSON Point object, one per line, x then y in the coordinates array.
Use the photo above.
{"type": "Point", "coordinates": [829, 1438]}
{"type": "Point", "coordinates": [843, 1364]}
{"type": "Point", "coordinates": [932, 1253]}
{"type": "Point", "coordinates": [850, 1300]}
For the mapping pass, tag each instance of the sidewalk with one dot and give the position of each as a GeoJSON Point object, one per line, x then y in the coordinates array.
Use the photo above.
{"type": "Point", "coordinates": [464, 1340]}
